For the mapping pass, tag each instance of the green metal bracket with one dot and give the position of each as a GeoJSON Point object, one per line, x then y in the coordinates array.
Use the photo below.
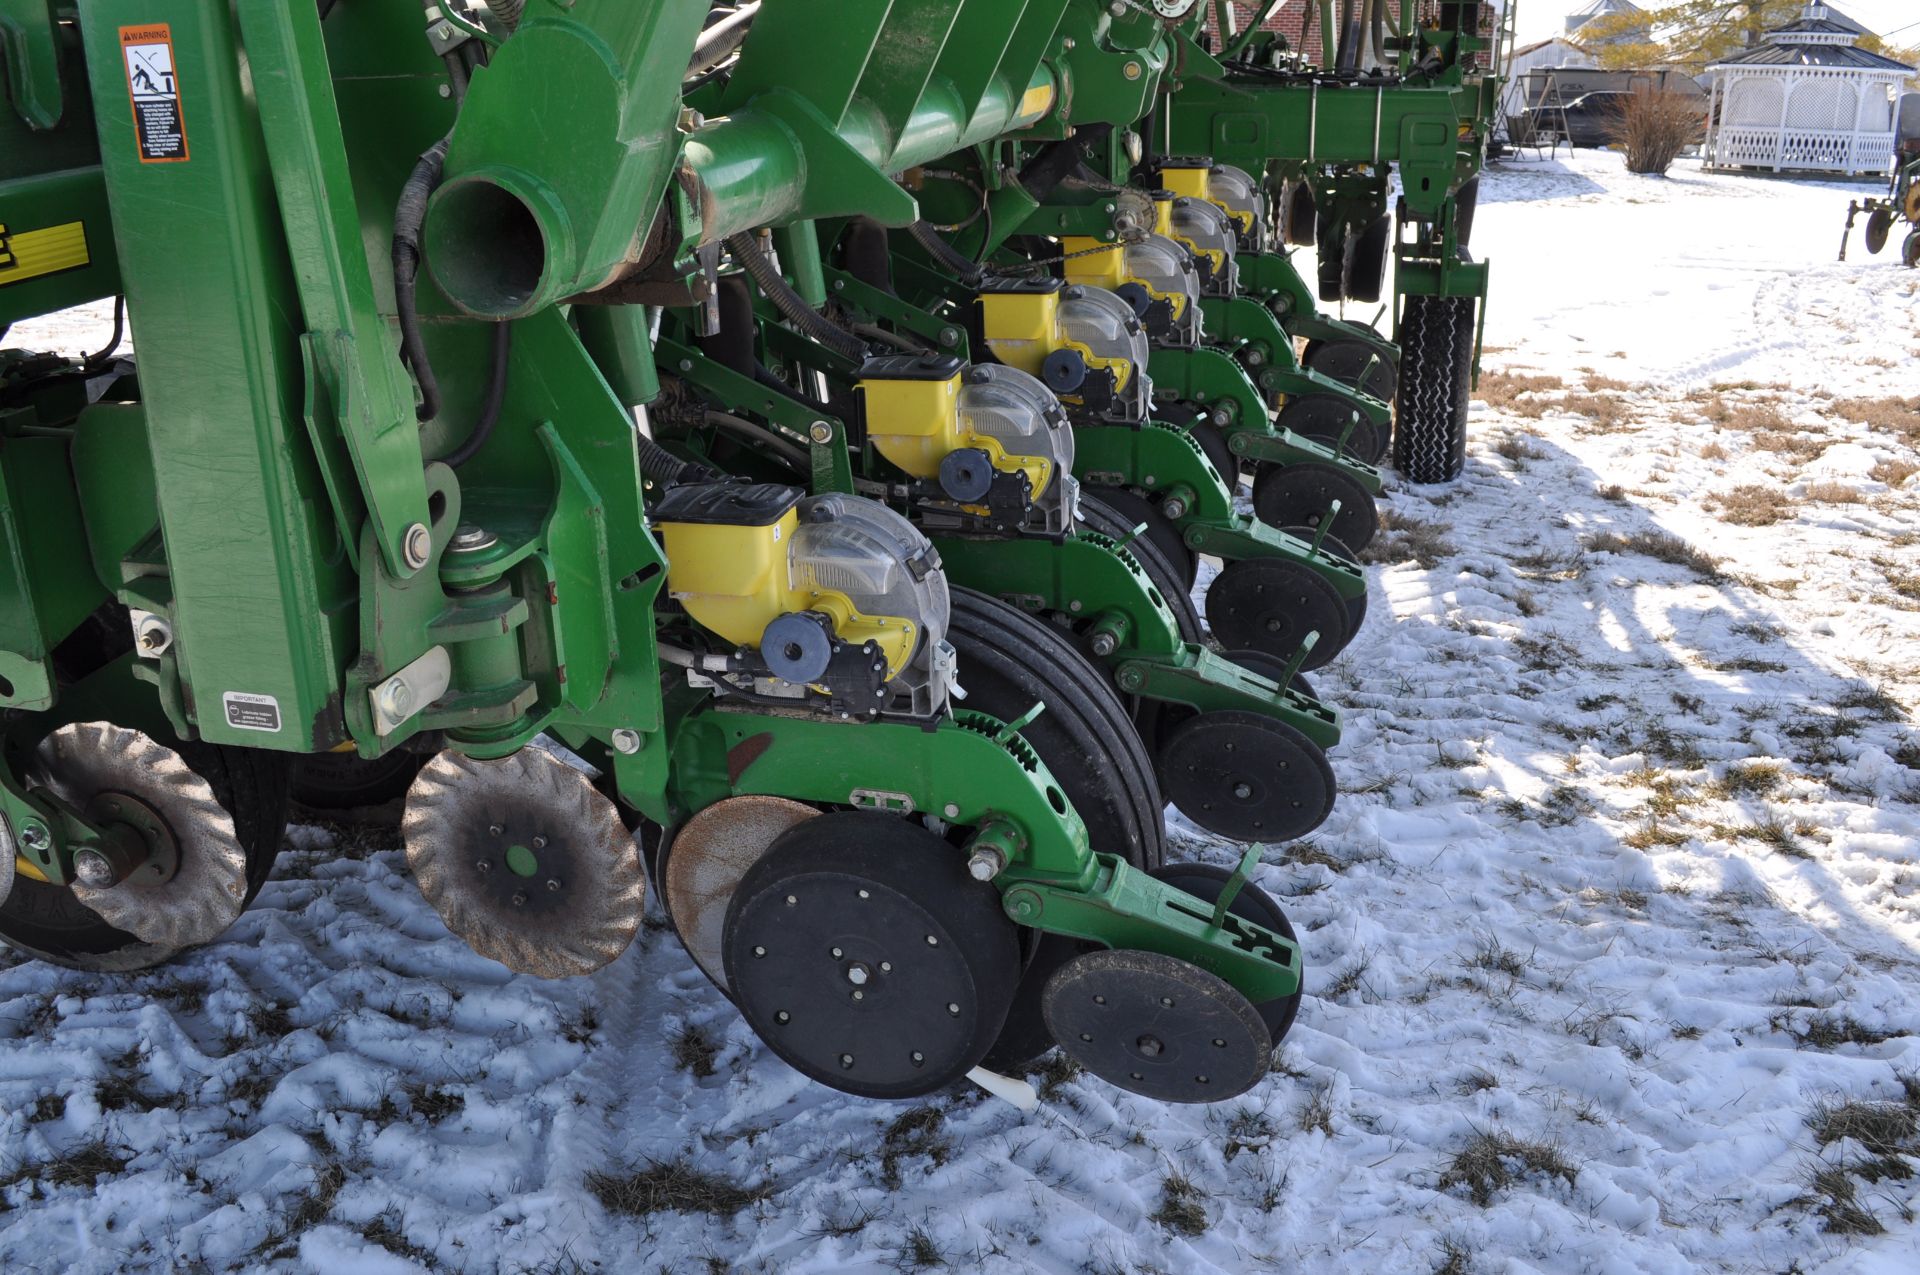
{"type": "Point", "coordinates": [1083, 576]}
{"type": "Point", "coordinates": [825, 437]}
{"type": "Point", "coordinates": [1209, 682]}
{"type": "Point", "coordinates": [1126, 908]}
{"type": "Point", "coordinates": [948, 334]}
{"type": "Point", "coordinates": [29, 38]}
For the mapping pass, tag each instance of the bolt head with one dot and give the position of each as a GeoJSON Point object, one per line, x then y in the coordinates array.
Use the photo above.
{"type": "Point", "coordinates": [626, 741]}
{"type": "Point", "coordinates": [951, 811]}
{"type": "Point", "coordinates": [553, 885]}
{"type": "Point", "coordinates": [92, 867]}
{"type": "Point", "coordinates": [519, 900]}
{"type": "Point", "coordinates": [1104, 644]}
{"type": "Point", "coordinates": [483, 866]}
{"type": "Point", "coordinates": [820, 432]}
{"type": "Point", "coordinates": [417, 547]}
{"type": "Point", "coordinates": [35, 837]}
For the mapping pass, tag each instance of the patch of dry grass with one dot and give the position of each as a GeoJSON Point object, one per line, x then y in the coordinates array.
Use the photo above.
{"type": "Point", "coordinates": [1895, 415]}
{"type": "Point", "coordinates": [1500, 389]}
{"type": "Point", "coordinates": [1403, 539]}
{"type": "Point", "coordinates": [1661, 545]}
{"type": "Point", "coordinates": [1752, 505]}
{"type": "Point", "coordinates": [1832, 493]}
{"type": "Point", "coordinates": [1493, 1161]}
{"type": "Point", "coordinates": [1895, 472]}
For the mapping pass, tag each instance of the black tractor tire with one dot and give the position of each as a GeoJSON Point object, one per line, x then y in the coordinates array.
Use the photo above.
{"type": "Point", "coordinates": [331, 784]}
{"type": "Point", "coordinates": [1436, 378]}
{"type": "Point", "coordinates": [1300, 219]}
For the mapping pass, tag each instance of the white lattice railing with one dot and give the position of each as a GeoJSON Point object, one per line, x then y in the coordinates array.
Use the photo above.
{"type": "Point", "coordinates": [1822, 150]}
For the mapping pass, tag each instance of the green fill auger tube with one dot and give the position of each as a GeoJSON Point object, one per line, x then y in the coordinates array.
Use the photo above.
{"type": "Point", "coordinates": [1412, 89]}
{"type": "Point", "coordinates": [397, 277]}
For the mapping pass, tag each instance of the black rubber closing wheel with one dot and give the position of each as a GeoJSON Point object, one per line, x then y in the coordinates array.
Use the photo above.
{"type": "Point", "coordinates": [1213, 441]}
{"type": "Point", "coordinates": [1246, 777]}
{"type": "Point", "coordinates": [1205, 881]}
{"type": "Point", "coordinates": [1436, 375]}
{"type": "Point", "coordinates": [1301, 496]}
{"type": "Point", "coordinates": [1301, 214]}
{"type": "Point", "coordinates": [1910, 250]}
{"type": "Point", "coordinates": [1167, 579]}
{"type": "Point", "coordinates": [1354, 363]}
{"type": "Point", "coordinates": [1879, 227]}
{"type": "Point", "coordinates": [865, 956]}
{"type": "Point", "coordinates": [1166, 537]}
{"type": "Point", "coordinates": [1364, 270]}
{"type": "Point", "coordinates": [1325, 419]}
{"type": "Point", "coordinates": [1271, 605]}
{"type": "Point", "coordinates": [1157, 1026]}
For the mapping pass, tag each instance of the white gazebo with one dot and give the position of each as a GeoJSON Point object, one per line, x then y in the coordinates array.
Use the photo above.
{"type": "Point", "coordinates": [1805, 99]}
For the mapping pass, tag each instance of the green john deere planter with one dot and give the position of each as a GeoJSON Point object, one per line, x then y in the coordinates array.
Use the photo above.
{"type": "Point", "coordinates": [374, 486]}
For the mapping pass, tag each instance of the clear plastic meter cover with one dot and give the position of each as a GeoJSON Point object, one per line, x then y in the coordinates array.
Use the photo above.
{"type": "Point", "coordinates": [1166, 268]}
{"type": "Point", "coordinates": [1237, 190]}
{"type": "Point", "coordinates": [1107, 326]}
{"type": "Point", "coordinates": [1208, 228]}
{"type": "Point", "coordinates": [861, 548]}
{"type": "Point", "coordinates": [1020, 413]}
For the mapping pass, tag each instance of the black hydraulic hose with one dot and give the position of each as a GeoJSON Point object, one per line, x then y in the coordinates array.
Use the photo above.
{"type": "Point", "coordinates": [496, 399]}
{"type": "Point", "coordinates": [408, 218]}
{"type": "Point", "coordinates": [93, 361]}
{"type": "Point", "coordinates": [945, 253]}
{"type": "Point", "coordinates": [1377, 30]}
{"type": "Point", "coordinates": [814, 325]}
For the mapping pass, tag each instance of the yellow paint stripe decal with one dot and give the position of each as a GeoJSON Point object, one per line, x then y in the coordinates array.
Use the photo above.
{"type": "Point", "coordinates": [26, 868]}
{"type": "Point", "coordinates": [33, 254]}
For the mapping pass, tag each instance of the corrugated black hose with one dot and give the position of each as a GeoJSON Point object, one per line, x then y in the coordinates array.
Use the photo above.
{"type": "Point", "coordinates": [408, 218]}
{"type": "Point", "coordinates": [816, 326]}
{"type": "Point", "coordinates": [945, 253]}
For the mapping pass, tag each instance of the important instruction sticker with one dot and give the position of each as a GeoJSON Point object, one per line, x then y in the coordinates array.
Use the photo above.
{"type": "Point", "coordinates": [157, 120]}
{"type": "Point", "coordinates": [252, 712]}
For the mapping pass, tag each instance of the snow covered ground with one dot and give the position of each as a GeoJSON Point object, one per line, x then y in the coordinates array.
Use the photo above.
{"type": "Point", "coordinates": [1613, 938]}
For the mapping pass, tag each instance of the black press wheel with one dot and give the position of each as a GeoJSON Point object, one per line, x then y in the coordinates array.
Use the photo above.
{"type": "Point", "coordinates": [1271, 605]}
{"type": "Point", "coordinates": [1205, 881]}
{"type": "Point", "coordinates": [1301, 214]}
{"type": "Point", "coordinates": [1247, 777]}
{"type": "Point", "coordinates": [1302, 495]}
{"type": "Point", "coordinates": [1334, 546]}
{"type": "Point", "coordinates": [1354, 363]}
{"type": "Point", "coordinates": [1327, 419]}
{"type": "Point", "coordinates": [1436, 375]}
{"type": "Point", "coordinates": [1272, 668]}
{"type": "Point", "coordinates": [1910, 251]}
{"type": "Point", "coordinates": [864, 955]}
{"type": "Point", "coordinates": [1158, 1026]}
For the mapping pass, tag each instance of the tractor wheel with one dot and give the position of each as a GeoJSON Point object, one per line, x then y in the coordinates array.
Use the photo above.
{"type": "Point", "coordinates": [1910, 251]}
{"type": "Point", "coordinates": [1436, 375]}
{"type": "Point", "coordinates": [1098, 516]}
{"type": "Point", "coordinates": [1164, 536]}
